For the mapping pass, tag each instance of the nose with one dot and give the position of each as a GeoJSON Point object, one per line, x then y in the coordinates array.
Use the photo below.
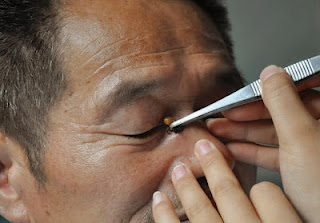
{"type": "Point", "coordinates": [184, 144]}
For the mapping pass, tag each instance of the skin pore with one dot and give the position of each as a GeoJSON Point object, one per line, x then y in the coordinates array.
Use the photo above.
{"type": "Point", "coordinates": [130, 64]}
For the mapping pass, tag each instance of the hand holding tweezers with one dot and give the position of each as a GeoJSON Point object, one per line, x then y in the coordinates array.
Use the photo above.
{"type": "Point", "coordinates": [299, 72]}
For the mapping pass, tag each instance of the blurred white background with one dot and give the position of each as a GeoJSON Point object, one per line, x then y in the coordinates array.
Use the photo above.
{"type": "Point", "coordinates": [278, 32]}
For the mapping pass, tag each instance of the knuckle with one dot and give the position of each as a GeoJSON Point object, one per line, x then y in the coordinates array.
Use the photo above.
{"type": "Point", "coordinates": [183, 184]}
{"type": "Point", "coordinates": [198, 209]}
{"type": "Point", "coordinates": [305, 131]}
{"type": "Point", "coordinates": [276, 84]}
{"type": "Point", "coordinates": [161, 208]}
{"type": "Point", "coordinates": [263, 188]}
{"type": "Point", "coordinates": [224, 187]}
{"type": "Point", "coordinates": [258, 158]}
{"type": "Point", "coordinates": [212, 158]}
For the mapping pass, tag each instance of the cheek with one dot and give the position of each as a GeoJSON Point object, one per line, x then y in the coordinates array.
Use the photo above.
{"type": "Point", "coordinates": [139, 175]}
{"type": "Point", "coordinates": [121, 177]}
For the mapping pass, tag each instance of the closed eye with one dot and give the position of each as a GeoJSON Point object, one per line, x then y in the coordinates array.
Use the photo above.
{"type": "Point", "coordinates": [148, 133]}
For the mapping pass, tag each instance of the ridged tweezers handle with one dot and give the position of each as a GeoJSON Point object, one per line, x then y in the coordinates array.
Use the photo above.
{"type": "Point", "coordinates": [297, 71]}
{"type": "Point", "coordinates": [252, 92]}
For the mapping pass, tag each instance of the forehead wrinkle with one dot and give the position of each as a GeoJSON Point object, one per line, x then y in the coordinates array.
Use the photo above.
{"type": "Point", "coordinates": [168, 39]}
{"type": "Point", "coordinates": [156, 57]}
{"type": "Point", "coordinates": [127, 91]}
{"type": "Point", "coordinates": [101, 51]}
{"type": "Point", "coordinates": [135, 61]}
{"type": "Point", "coordinates": [124, 50]}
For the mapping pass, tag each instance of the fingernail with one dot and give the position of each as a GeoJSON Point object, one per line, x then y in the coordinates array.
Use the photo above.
{"type": "Point", "coordinates": [270, 71]}
{"type": "Point", "coordinates": [203, 147]}
{"type": "Point", "coordinates": [157, 198]}
{"type": "Point", "coordinates": [179, 171]}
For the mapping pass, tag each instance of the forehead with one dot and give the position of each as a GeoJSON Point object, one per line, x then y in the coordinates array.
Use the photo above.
{"type": "Point", "coordinates": [120, 19]}
{"type": "Point", "coordinates": [105, 43]}
{"type": "Point", "coordinates": [91, 25]}
{"type": "Point", "coordinates": [100, 31]}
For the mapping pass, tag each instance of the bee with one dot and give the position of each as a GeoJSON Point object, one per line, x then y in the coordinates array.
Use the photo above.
{"type": "Point", "coordinates": [168, 121]}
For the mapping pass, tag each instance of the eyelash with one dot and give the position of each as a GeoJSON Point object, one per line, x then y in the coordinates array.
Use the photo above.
{"type": "Point", "coordinates": [152, 131]}
{"type": "Point", "coordinates": [148, 133]}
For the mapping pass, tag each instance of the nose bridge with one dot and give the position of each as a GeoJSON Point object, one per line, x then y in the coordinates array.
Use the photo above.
{"type": "Point", "coordinates": [191, 134]}
{"type": "Point", "coordinates": [184, 144]}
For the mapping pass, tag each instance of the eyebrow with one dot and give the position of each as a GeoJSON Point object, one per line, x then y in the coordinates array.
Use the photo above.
{"type": "Point", "coordinates": [124, 94]}
{"type": "Point", "coordinates": [129, 91]}
{"type": "Point", "coordinates": [232, 79]}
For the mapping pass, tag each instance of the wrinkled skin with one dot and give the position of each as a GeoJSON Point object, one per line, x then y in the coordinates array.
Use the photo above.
{"type": "Point", "coordinates": [95, 173]}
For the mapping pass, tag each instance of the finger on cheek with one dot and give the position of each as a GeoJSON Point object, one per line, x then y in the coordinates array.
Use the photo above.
{"type": "Point", "coordinates": [231, 200]}
{"type": "Point", "coordinates": [205, 152]}
{"type": "Point", "coordinates": [162, 209]}
{"type": "Point", "coordinates": [179, 172]}
{"type": "Point", "coordinates": [185, 183]}
{"type": "Point", "coordinates": [203, 148]}
{"type": "Point", "coordinates": [196, 203]}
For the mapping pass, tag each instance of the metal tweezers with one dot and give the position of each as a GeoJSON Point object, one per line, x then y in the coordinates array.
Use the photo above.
{"type": "Point", "coordinates": [299, 72]}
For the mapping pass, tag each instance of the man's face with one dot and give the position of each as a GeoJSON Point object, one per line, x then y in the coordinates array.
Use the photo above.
{"type": "Point", "coordinates": [130, 64]}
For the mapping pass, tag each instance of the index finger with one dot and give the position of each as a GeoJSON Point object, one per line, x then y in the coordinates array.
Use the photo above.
{"type": "Point", "coordinates": [231, 200]}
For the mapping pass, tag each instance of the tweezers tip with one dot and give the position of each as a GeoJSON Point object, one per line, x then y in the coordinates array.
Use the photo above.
{"type": "Point", "coordinates": [176, 129]}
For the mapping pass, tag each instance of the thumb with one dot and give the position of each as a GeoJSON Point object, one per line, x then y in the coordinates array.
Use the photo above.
{"type": "Point", "coordinates": [280, 96]}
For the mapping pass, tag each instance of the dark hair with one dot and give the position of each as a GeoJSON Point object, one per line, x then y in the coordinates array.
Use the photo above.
{"type": "Point", "coordinates": [30, 74]}
{"type": "Point", "coordinates": [217, 11]}
{"type": "Point", "coordinates": [31, 77]}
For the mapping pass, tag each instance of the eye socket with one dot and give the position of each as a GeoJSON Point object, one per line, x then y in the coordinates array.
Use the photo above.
{"type": "Point", "coordinates": [148, 133]}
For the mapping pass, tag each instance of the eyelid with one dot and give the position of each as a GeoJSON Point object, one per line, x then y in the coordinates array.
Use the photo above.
{"type": "Point", "coordinates": [147, 133]}
{"type": "Point", "coordinates": [150, 132]}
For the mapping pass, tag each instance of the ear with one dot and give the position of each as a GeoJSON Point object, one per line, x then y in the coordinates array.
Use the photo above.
{"type": "Point", "coordinates": [11, 204]}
